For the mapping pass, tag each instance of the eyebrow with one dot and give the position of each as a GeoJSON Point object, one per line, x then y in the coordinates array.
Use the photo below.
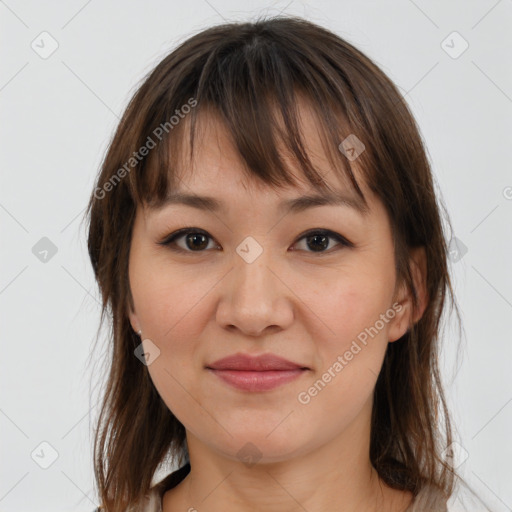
{"type": "Point", "coordinates": [295, 205]}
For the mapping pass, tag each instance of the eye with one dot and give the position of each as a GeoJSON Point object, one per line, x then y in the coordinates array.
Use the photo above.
{"type": "Point", "coordinates": [318, 240]}
{"type": "Point", "coordinates": [196, 240]}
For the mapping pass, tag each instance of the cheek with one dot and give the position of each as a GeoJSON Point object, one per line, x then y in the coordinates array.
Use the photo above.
{"type": "Point", "coordinates": [351, 304]}
{"type": "Point", "coordinates": [167, 301]}
{"type": "Point", "coordinates": [170, 307]}
{"type": "Point", "coordinates": [354, 339]}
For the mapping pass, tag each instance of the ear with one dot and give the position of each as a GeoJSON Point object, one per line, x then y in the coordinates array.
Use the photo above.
{"type": "Point", "coordinates": [405, 316]}
{"type": "Point", "coordinates": [133, 319]}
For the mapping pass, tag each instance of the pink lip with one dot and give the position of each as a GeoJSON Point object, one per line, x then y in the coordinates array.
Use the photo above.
{"type": "Point", "coordinates": [256, 373]}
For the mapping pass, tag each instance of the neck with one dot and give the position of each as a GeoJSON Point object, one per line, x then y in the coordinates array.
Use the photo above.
{"type": "Point", "coordinates": [290, 486]}
{"type": "Point", "coordinates": [336, 476]}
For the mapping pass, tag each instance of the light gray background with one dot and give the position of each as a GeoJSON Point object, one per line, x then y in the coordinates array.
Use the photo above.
{"type": "Point", "coordinates": [57, 117]}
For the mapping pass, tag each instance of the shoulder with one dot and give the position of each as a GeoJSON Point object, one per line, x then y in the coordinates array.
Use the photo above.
{"type": "Point", "coordinates": [429, 499]}
{"type": "Point", "coordinates": [154, 496]}
{"type": "Point", "coordinates": [151, 503]}
{"type": "Point", "coordinates": [171, 480]}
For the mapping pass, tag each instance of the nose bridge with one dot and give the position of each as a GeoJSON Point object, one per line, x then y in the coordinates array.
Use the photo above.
{"type": "Point", "coordinates": [253, 277]}
{"type": "Point", "coordinates": [254, 299]}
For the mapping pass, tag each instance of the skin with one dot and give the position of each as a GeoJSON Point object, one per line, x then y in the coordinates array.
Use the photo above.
{"type": "Point", "coordinates": [308, 307]}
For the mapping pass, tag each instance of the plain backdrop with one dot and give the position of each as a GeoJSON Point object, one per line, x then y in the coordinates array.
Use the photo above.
{"type": "Point", "coordinates": [67, 72]}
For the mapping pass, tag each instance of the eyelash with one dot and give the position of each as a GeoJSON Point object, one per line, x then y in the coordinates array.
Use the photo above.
{"type": "Point", "coordinates": [170, 240]}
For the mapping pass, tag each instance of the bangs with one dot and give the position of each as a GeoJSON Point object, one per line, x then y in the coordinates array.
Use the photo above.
{"type": "Point", "coordinates": [257, 87]}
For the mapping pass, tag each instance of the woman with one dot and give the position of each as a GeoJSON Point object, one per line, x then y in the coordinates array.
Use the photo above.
{"type": "Point", "coordinates": [266, 236]}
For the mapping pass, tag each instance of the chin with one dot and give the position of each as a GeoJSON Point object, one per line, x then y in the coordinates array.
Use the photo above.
{"type": "Point", "coordinates": [257, 446]}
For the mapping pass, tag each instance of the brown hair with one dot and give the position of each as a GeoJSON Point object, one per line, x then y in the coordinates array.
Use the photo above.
{"type": "Point", "coordinates": [251, 75]}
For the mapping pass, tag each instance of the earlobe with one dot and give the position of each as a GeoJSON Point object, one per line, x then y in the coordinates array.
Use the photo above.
{"type": "Point", "coordinates": [405, 316]}
{"type": "Point", "coordinates": [398, 326]}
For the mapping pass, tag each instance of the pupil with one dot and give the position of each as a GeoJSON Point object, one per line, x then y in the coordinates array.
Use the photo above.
{"type": "Point", "coordinates": [324, 240]}
{"type": "Point", "coordinates": [193, 238]}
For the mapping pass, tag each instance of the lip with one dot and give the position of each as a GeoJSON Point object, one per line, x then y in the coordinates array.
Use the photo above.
{"type": "Point", "coordinates": [256, 373]}
{"type": "Point", "coordinates": [261, 363]}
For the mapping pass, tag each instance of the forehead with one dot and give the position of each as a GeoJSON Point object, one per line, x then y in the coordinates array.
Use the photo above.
{"type": "Point", "coordinates": [216, 179]}
{"type": "Point", "coordinates": [217, 169]}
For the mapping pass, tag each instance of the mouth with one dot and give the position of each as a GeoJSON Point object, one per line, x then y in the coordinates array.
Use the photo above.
{"type": "Point", "coordinates": [258, 381]}
{"type": "Point", "coordinates": [256, 373]}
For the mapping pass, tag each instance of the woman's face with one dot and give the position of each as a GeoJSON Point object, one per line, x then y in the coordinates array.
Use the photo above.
{"type": "Point", "coordinates": [254, 284]}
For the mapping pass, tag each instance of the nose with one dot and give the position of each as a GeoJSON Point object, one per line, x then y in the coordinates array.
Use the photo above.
{"type": "Point", "coordinates": [255, 298]}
